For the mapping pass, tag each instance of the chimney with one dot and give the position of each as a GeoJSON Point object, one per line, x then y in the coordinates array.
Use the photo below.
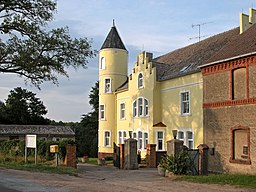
{"type": "Point", "coordinates": [246, 21]}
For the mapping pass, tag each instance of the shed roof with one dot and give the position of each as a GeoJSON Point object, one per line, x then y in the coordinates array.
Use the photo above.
{"type": "Point", "coordinates": [36, 129]}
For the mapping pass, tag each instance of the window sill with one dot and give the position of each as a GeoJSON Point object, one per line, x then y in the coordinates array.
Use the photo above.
{"type": "Point", "coordinates": [185, 114]}
{"type": "Point", "coordinates": [122, 119]}
{"type": "Point", "coordinates": [240, 161]}
{"type": "Point", "coordinates": [107, 146]}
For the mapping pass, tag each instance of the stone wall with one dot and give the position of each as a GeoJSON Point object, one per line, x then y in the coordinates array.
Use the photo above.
{"type": "Point", "coordinates": [218, 123]}
{"type": "Point", "coordinates": [222, 115]}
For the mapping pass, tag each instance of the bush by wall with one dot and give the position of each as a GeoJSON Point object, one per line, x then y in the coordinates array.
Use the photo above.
{"type": "Point", "coordinates": [16, 148]}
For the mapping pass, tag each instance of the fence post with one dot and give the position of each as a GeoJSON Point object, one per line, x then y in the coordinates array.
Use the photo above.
{"type": "Point", "coordinates": [121, 147]}
{"type": "Point", "coordinates": [151, 155]}
{"type": "Point", "coordinates": [203, 159]}
{"type": "Point", "coordinates": [174, 147]}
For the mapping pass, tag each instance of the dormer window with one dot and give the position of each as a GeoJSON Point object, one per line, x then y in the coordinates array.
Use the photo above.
{"type": "Point", "coordinates": [102, 63]}
{"type": "Point", "coordinates": [140, 80]}
{"type": "Point", "coordinates": [107, 85]}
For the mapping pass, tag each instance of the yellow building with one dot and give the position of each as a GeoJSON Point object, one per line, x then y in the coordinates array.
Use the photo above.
{"type": "Point", "coordinates": [159, 95]}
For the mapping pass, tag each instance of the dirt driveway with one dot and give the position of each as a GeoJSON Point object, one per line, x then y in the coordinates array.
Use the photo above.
{"type": "Point", "coordinates": [106, 179]}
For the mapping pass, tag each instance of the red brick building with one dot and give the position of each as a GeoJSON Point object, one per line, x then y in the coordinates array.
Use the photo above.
{"type": "Point", "coordinates": [229, 105]}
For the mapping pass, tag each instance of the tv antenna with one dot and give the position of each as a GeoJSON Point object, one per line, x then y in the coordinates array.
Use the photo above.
{"type": "Point", "coordinates": [199, 30]}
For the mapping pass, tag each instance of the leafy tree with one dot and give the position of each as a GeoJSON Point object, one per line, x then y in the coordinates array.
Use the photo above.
{"type": "Point", "coordinates": [87, 130]}
{"type": "Point", "coordinates": [29, 50]}
{"type": "Point", "coordinates": [23, 107]}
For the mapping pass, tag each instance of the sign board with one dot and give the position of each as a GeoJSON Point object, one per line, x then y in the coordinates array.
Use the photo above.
{"type": "Point", "coordinates": [31, 141]}
{"type": "Point", "coordinates": [54, 148]}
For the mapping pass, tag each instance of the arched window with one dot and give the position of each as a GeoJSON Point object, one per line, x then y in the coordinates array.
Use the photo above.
{"type": "Point", "coordinates": [140, 80]}
{"type": "Point", "coordinates": [102, 63]}
{"type": "Point", "coordinates": [140, 107]}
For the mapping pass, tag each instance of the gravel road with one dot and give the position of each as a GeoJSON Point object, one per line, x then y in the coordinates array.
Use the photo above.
{"type": "Point", "coordinates": [103, 178]}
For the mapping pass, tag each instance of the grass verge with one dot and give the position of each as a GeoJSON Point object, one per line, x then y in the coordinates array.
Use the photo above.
{"type": "Point", "coordinates": [230, 179]}
{"type": "Point", "coordinates": [41, 168]}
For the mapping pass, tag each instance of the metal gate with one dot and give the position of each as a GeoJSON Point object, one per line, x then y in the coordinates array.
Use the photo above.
{"type": "Point", "coordinates": [194, 161]}
{"type": "Point", "coordinates": [116, 157]}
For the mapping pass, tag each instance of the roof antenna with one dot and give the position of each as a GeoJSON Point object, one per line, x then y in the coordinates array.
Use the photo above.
{"type": "Point", "coordinates": [113, 22]}
{"type": "Point", "coordinates": [199, 30]}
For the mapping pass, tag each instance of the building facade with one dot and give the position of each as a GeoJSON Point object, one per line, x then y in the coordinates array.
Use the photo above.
{"type": "Point", "coordinates": [214, 105]}
{"type": "Point", "coordinates": [229, 105]}
{"type": "Point", "coordinates": [160, 94]}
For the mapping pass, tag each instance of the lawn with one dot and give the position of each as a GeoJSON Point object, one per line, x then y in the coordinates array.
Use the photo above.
{"type": "Point", "coordinates": [230, 179]}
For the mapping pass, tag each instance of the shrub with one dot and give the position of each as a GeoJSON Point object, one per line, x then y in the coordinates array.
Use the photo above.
{"type": "Point", "coordinates": [178, 165]}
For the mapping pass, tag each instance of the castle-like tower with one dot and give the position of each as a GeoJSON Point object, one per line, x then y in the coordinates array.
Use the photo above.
{"type": "Point", "coordinates": [113, 61]}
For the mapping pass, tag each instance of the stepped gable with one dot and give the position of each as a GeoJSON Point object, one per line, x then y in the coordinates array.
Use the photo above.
{"type": "Point", "coordinates": [186, 60]}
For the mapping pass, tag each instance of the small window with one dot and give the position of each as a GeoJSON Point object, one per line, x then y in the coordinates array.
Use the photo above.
{"type": "Point", "coordinates": [139, 140]}
{"type": "Point", "coordinates": [134, 135]}
{"type": "Point", "coordinates": [140, 107]}
{"type": "Point", "coordinates": [107, 85]}
{"type": "Point", "coordinates": [124, 136]}
{"type": "Point", "coordinates": [107, 139]}
{"type": "Point", "coordinates": [135, 109]}
{"type": "Point", "coordinates": [160, 140]}
{"type": "Point", "coordinates": [146, 107]}
{"type": "Point", "coordinates": [190, 139]}
{"type": "Point", "coordinates": [102, 63]}
{"type": "Point", "coordinates": [145, 140]}
{"type": "Point", "coordinates": [120, 138]}
{"type": "Point", "coordinates": [122, 111]}
{"type": "Point", "coordinates": [140, 80]}
{"type": "Point", "coordinates": [187, 137]}
{"type": "Point", "coordinates": [102, 112]}
{"type": "Point", "coordinates": [184, 103]}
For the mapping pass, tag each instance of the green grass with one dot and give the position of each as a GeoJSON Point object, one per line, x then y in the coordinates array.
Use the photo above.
{"type": "Point", "coordinates": [230, 179]}
{"type": "Point", "coordinates": [47, 167]}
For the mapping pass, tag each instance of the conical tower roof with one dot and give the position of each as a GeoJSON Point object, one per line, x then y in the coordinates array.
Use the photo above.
{"type": "Point", "coordinates": [113, 40]}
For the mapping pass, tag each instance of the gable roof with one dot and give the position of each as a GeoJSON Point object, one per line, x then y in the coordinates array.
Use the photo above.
{"type": "Point", "coordinates": [241, 45]}
{"type": "Point", "coordinates": [36, 129]}
{"type": "Point", "coordinates": [113, 40]}
{"type": "Point", "coordinates": [186, 60]}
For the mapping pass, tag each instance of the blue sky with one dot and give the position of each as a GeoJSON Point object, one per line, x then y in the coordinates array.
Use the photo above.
{"type": "Point", "coordinates": [157, 26]}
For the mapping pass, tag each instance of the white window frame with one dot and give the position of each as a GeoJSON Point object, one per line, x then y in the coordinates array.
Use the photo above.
{"type": "Point", "coordinates": [105, 138]}
{"type": "Point", "coordinates": [122, 111]}
{"type": "Point", "coordinates": [140, 81]}
{"type": "Point", "coordinates": [107, 90]}
{"type": "Point", "coordinates": [186, 139]}
{"type": "Point", "coordinates": [141, 141]}
{"type": "Point", "coordinates": [140, 109]}
{"type": "Point", "coordinates": [122, 136]}
{"type": "Point", "coordinates": [102, 111]}
{"type": "Point", "coordinates": [182, 103]}
{"type": "Point", "coordinates": [145, 139]}
{"type": "Point", "coordinates": [135, 108]}
{"type": "Point", "coordinates": [163, 140]}
{"type": "Point", "coordinates": [102, 63]}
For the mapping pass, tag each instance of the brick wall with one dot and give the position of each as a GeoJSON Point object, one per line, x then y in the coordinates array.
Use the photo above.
{"type": "Point", "coordinates": [103, 155]}
{"type": "Point", "coordinates": [252, 81]}
{"type": "Point", "coordinates": [220, 119]}
{"type": "Point", "coordinates": [217, 125]}
{"type": "Point", "coordinates": [216, 87]}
